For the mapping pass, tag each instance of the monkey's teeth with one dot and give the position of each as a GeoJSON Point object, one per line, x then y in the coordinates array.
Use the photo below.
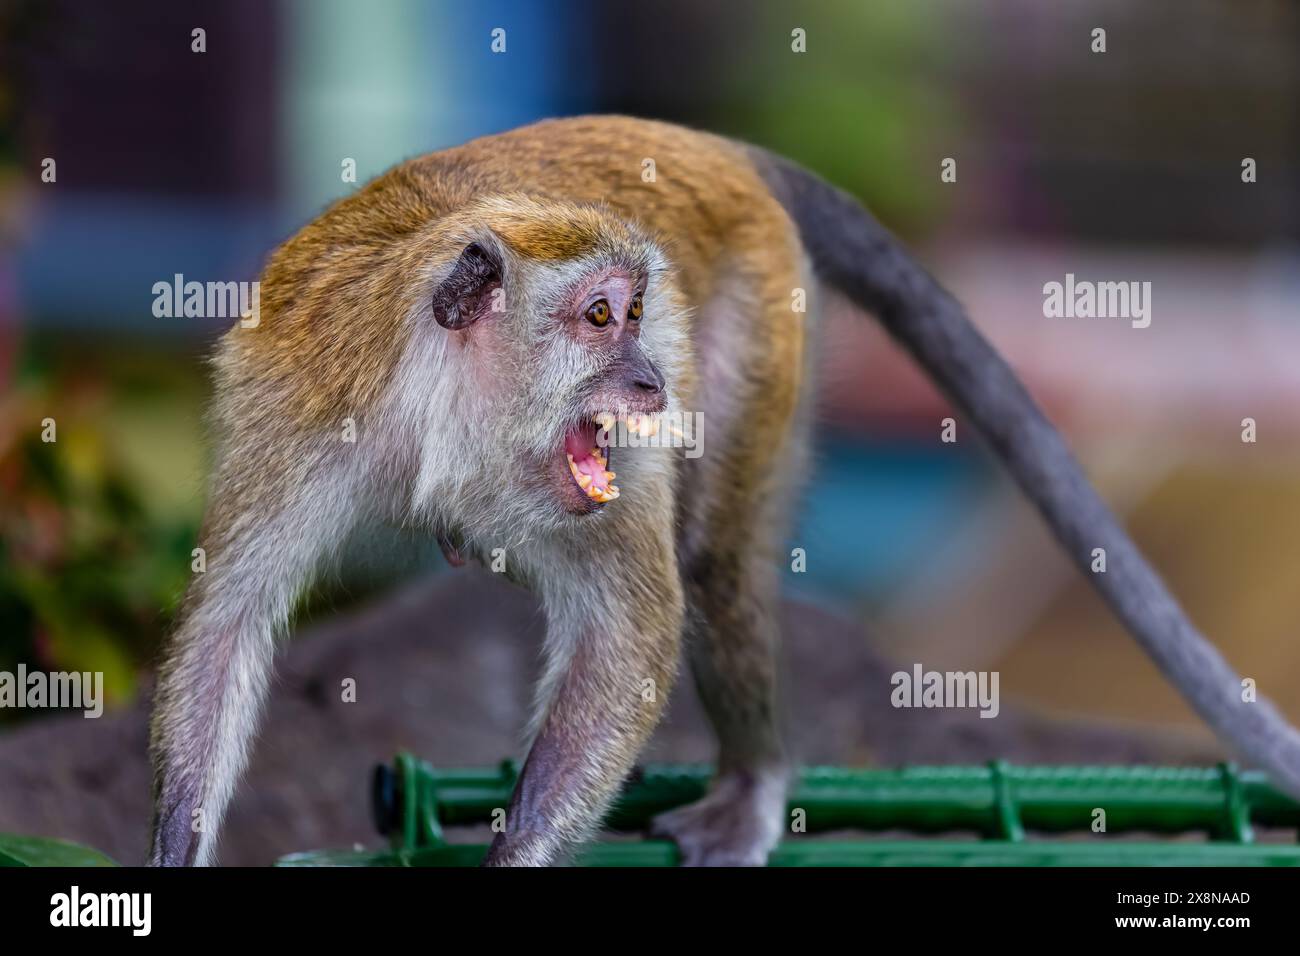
{"type": "Point", "coordinates": [573, 470]}
{"type": "Point", "coordinates": [642, 425]}
{"type": "Point", "coordinates": [587, 482]}
{"type": "Point", "coordinates": [602, 495]}
{"type": "Point", "coordinates": [606, 421]}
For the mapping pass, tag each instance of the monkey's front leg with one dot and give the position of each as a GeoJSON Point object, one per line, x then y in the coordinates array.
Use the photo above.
{"type": "Point", "coordinates": [613, 636]}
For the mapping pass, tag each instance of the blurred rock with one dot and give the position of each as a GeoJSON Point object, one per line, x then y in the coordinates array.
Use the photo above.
{"type": "Point", "coordinates": [444, 669]}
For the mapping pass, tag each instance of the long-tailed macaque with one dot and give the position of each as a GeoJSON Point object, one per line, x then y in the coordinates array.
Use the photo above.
{"type": "Point", "coordinates": [466, 345]}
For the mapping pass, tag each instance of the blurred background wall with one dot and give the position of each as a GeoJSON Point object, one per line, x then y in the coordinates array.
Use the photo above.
{"type": "Point", "coordinates": [1124, 165]}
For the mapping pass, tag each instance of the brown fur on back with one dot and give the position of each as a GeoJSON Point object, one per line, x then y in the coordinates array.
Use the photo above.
{"type": "Point", "coordinates": [332, 314]}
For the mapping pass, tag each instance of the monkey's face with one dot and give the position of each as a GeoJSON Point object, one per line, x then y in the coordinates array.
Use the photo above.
{"type": "Point", "coordinates": [558, 361]}
{"type": "Point", "coordinates": [607, 381]}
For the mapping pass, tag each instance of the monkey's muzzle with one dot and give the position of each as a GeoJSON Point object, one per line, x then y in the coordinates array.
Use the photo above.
{"type": "Point", "coordinates": [589, 448]}
{"type": "Point", "coordinates": [589, 462]}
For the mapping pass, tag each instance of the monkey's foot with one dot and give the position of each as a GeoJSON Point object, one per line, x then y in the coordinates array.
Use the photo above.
{"type": "Point", "coordinates": [737, 823]}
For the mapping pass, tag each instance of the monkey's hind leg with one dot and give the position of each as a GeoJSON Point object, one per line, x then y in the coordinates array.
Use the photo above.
{"type": "Point", "coordinates": [729, 566]}
{"type": "Point", "coordinates": [731, 643]}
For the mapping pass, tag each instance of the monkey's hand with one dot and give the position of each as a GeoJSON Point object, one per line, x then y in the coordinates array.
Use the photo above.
{"type": "Point", "coordinates": [737, 823]}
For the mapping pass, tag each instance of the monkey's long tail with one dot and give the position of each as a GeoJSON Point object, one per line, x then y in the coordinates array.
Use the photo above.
{"type": "Point", "coordinates": [858, 257]}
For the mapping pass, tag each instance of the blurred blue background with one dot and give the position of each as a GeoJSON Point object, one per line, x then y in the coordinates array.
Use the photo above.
{"type": "Point", "coordinates": [1123, 165]}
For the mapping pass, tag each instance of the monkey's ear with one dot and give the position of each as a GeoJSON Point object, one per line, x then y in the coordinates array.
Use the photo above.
{"type": "Point", "coordinates": [463, 296]}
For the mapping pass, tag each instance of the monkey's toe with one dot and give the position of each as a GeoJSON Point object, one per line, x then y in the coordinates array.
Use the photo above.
{"type": "Point", "coordinates": [736, 824]}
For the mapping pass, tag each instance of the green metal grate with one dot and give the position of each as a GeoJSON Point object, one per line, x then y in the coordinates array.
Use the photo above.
{"type": "Point", "coordinates": [999, 804]}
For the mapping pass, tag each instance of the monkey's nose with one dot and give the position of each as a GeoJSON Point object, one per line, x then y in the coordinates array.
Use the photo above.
{"type": "Point", "coordinates": [650, 380]}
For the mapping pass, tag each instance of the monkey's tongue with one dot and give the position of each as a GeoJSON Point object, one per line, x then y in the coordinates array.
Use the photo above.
{"type": "Point", "coordinates": [587, 465]}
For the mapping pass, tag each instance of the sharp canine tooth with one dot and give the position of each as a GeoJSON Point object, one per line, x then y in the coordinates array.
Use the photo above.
{"type": "Point", "coordinates": [584, 480]}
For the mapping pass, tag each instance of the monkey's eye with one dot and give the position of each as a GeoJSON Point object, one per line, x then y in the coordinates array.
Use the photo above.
{"type": "Point", "coordinates": [635, 309]}
{"type": "Point", "coordinates": [598, 313]}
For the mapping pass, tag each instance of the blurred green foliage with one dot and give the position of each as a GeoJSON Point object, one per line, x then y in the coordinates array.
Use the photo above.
{"type": "Point", "coordinates": [863, 111]}
{"type": "Point", "coordinates": [91, 567]}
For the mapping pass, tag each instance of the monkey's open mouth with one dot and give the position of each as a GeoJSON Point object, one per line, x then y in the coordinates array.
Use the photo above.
{"type": "Point", "coordinates": [589, 463]}
{"type": "Point", "coordinates": [589, 451]}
